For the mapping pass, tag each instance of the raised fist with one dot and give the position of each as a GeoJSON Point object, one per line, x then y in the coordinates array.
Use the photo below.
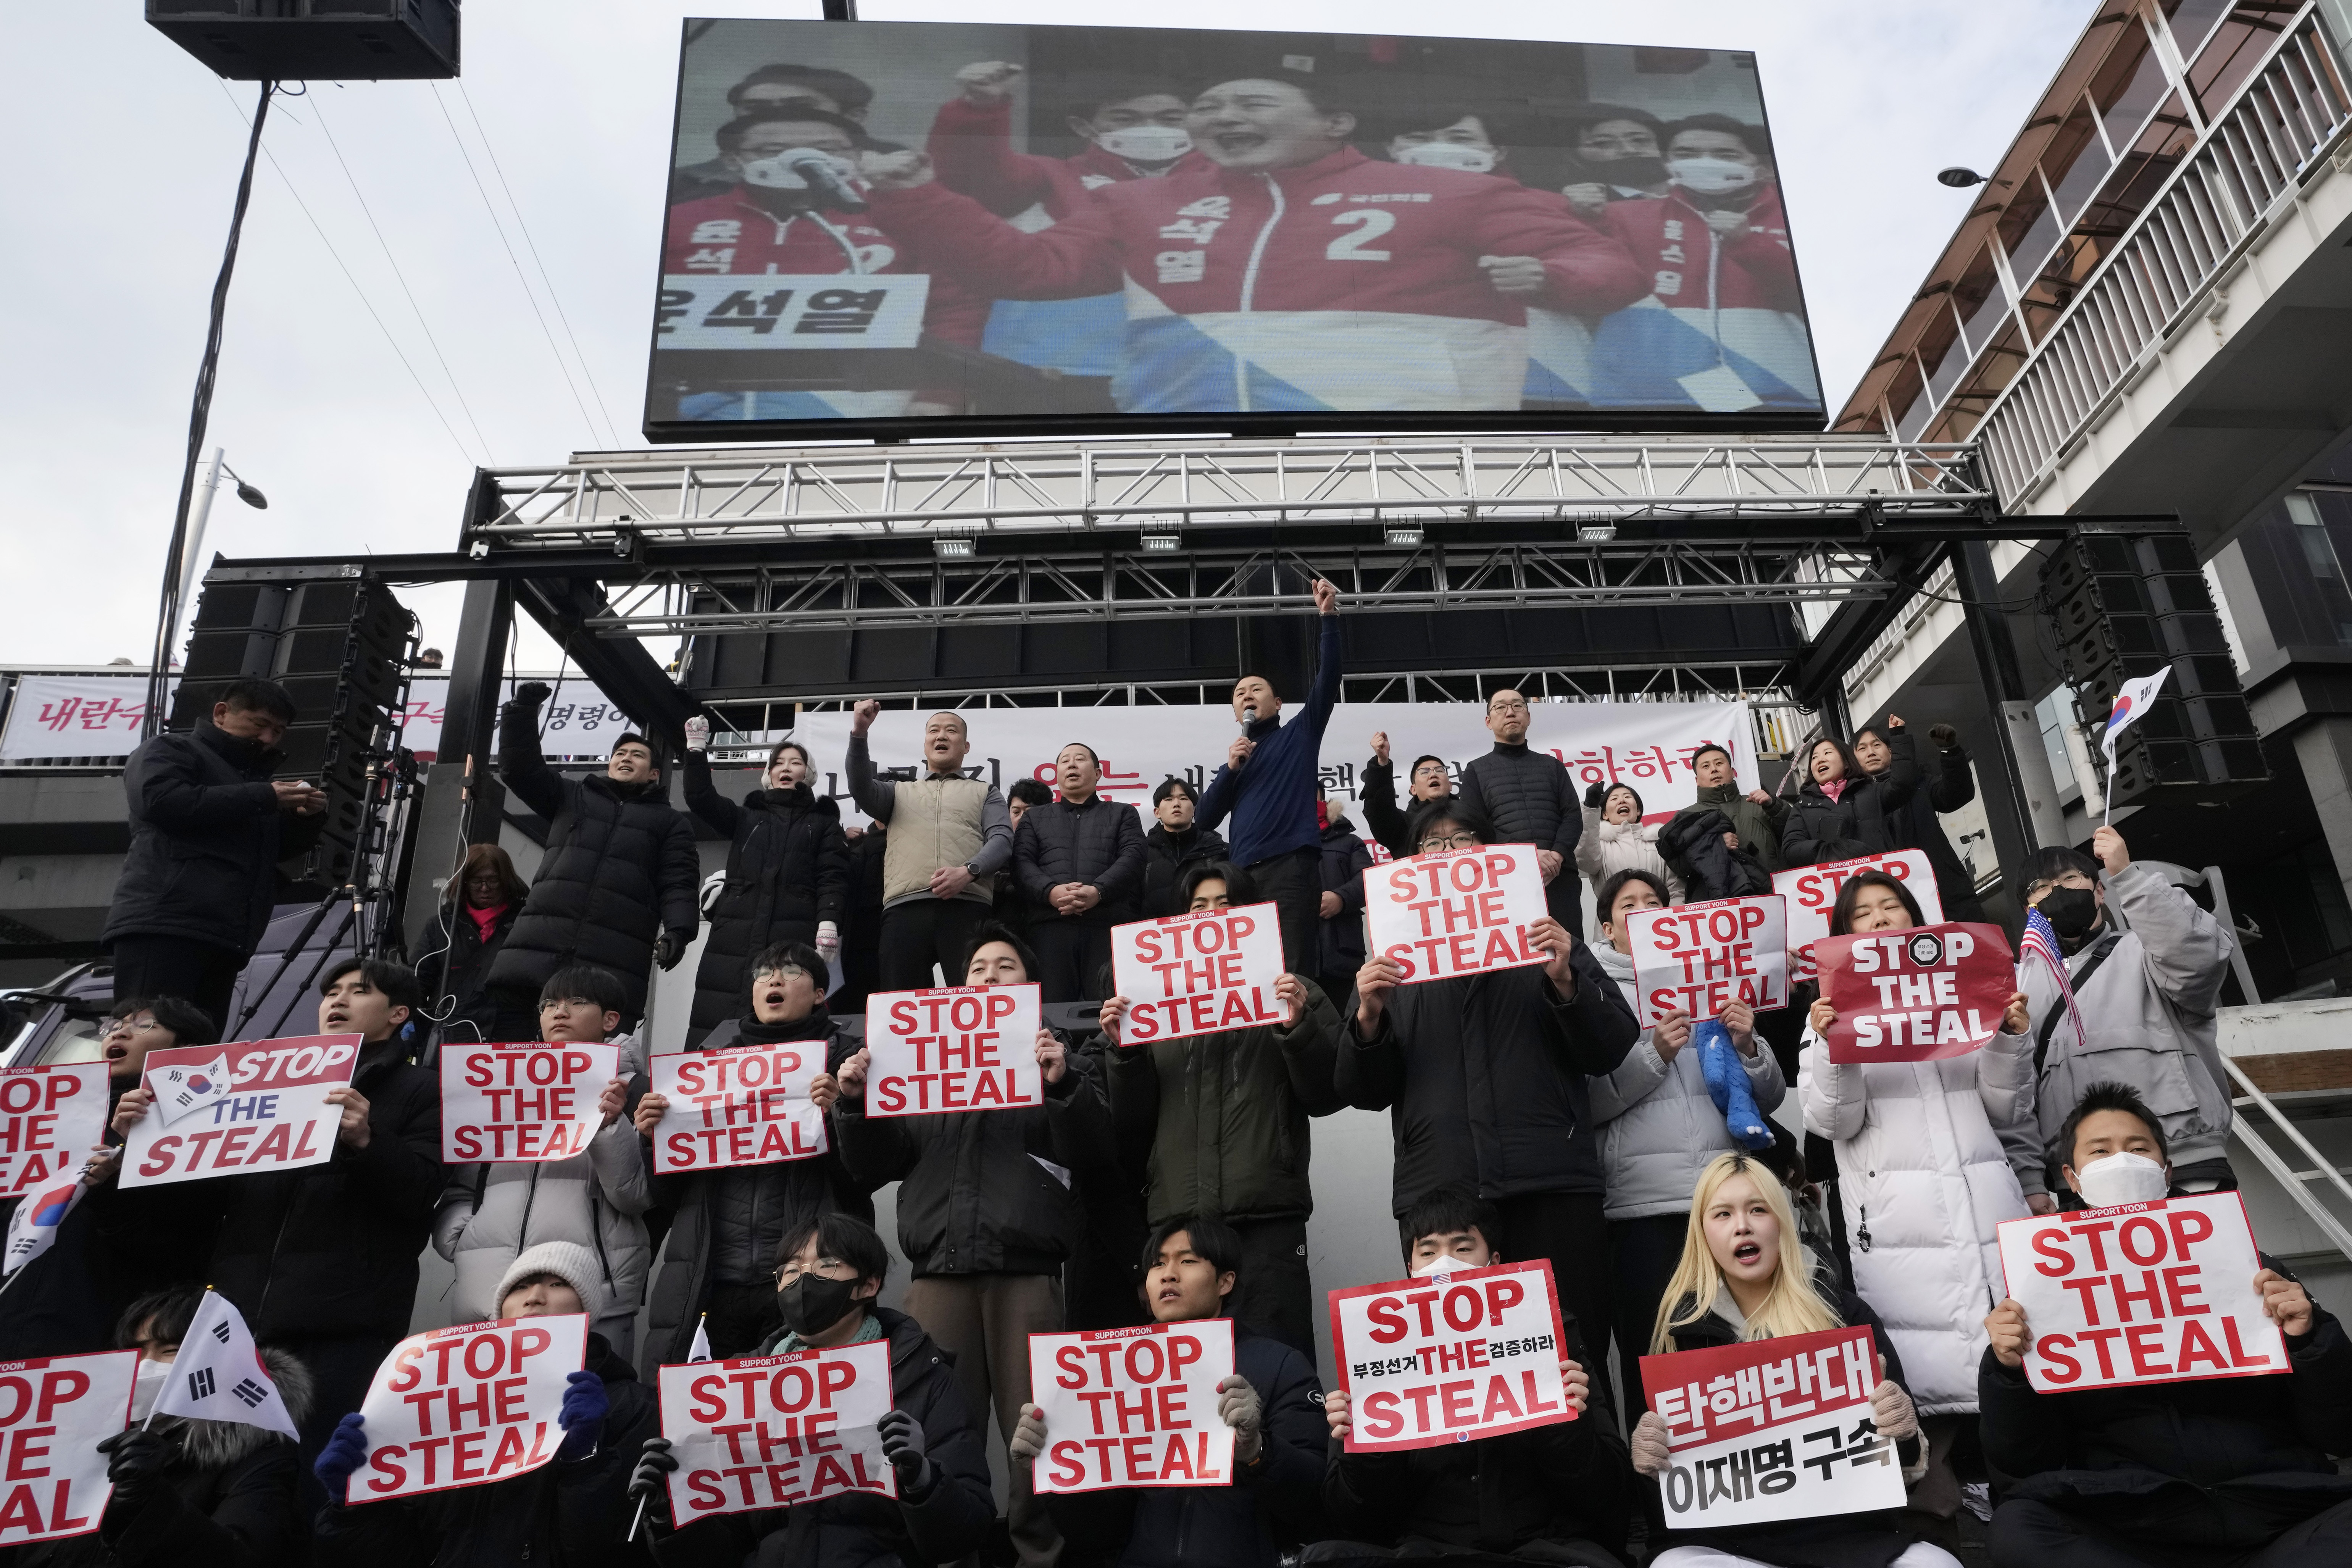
{"type": "Point", "coordinates": [531, 693]}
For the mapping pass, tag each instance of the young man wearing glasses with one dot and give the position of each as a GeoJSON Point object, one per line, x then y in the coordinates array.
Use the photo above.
{"type": "Point", "coordinates": [1525, 797]}
{"type": "Point", "coordinates": [1484, 1080]}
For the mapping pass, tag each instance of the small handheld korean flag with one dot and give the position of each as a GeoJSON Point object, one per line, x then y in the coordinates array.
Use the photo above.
{"type": "Point", "coordinates": [33, 1225]}
{"type": "Point", "coordinates": [187, 1087]}
{"type": "Point", "coordinates": [217, 1375]}
{"type": "Point", "coordinates": [2132, 704]}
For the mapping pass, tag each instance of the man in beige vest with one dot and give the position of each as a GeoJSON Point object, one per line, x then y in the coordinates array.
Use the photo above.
{"type": "Point", "coordinates": [949, 835]}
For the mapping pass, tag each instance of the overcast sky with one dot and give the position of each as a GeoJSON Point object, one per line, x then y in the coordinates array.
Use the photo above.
{"type": "Point", "coordinates": [125, 164]}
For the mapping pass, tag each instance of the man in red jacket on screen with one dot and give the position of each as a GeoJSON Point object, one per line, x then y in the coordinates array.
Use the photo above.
{"type": "Point", "coordinates": [1288, 272]}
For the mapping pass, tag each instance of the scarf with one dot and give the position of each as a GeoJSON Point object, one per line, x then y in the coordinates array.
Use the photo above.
{"type": "Point", "coordinates": [485, 920]}
{"type": "Point", "coordinates": [1834, 787]}
{"type": "Point", "coordinates": [867, 1332]}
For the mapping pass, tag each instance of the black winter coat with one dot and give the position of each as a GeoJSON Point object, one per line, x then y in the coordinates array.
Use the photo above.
{"type": "Point", "coordinates": [1820, 830]}
{"type": "Point", "coordinates": [206, 834]}
{"type": "Point", "coordinates": [860, 1530]}
{"type": "Point", "coordinates": [620, 868]}
{"type": "Point", "coordinates": [1483, 1079]}
{"type": "Point", "coordinates": [787, 870]}
{"type": "Point", "coordinates": [227, 1497]}
{"type": "Point", "coordinates": [1345, 861]}
{"type": "Point", "coordinates": [1835, 1540]}
{"type": "Point", "coordinates": [2220, 1466]}
{"type": "Point", "coordinates": [1525, 797]}
{"type": "Point", "coordinates": [1390, 824]}
{"type": "Point", "coordinates": [972, 1197]}
{"type": "Point", "coordinates": [1693, 847]}
{"type": "Point", "coordinates": [568, 1513]}
{"type": "Point", "coordinates": [1166, 858]}
{"type": "Point", "coordinates": [1947, 783]}
{"type": "Point", "coordinates": [725, 1224]}
{"type": "Point", "coordinates": [1099, 843]}
{"type": "Point", "coordinates": [1268, 1509]}
{"type": "Point", "coordinates": [1568, 1481]}
{"type": "Point", "coordinates": [456, 965]}
{"type": "Point", "coordinates": [332, 1249]}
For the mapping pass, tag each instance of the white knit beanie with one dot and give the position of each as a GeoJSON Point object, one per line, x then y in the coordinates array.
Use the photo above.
{"type": "Point", "coordinates": [568, 1261]}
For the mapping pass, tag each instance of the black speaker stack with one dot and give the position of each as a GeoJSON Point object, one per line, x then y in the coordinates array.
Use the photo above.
{"type": "Point", "coordinates": [342, 650]}
{"type": "Point", "coordinates": [2124, 606]}
{"type": "Point", "coordinates": [315, 40]}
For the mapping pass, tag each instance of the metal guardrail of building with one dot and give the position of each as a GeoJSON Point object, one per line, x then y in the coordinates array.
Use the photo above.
{"type": "Point", "coordinates": [2253, 156]}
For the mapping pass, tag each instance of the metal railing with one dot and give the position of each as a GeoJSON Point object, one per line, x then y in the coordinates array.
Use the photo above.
{"type": "Point", "coordinates": [2252, 156]}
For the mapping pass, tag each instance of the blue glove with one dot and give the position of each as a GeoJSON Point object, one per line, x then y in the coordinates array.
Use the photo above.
{"type": "Point", "coordinates": [346, 1450]}
{"type": "Point", "coordinates": [1727, 1085]}
{"type": "Point", "coordinates": [586, 1406]}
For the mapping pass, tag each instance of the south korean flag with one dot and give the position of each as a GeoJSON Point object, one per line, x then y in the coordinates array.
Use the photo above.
{"type": "Point", "coordinates": [217, 1375]}
{"type": "Point", "coordinates": [185, 1088]}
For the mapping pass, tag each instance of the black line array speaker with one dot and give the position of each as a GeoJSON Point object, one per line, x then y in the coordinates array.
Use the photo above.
{"type": "Point", "coordinates": [2124, 607]}
{"type": "Point", "coordinates": [315, 40]}
{"type": "Point", "coordinates": [341, 649]}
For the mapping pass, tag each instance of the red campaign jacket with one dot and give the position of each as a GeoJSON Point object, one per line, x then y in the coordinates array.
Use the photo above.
{"type": "Point", "coordinates": [971, 148]}
{"type": "Point", "coordinates": [1344, 234]}
{"type": "Point", "coordinates": [730, 234]}
{"type": "Point", "coordinates": [1671, 241]}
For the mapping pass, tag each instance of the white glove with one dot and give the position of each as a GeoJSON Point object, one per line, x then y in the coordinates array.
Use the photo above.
{"type": "Point", "coordinates": [698, 733]}
{"type": "Point", "coordinates": [1892, 1410]}
{"type": "Point", "coordinates": [1245, 1412]}
{"type": "Point", "coordinates": [1028, 1436]}
{"type": "Point", "coordinates": [828, 940]}
{"type": "Point", "coordinates": [1650, 1449]}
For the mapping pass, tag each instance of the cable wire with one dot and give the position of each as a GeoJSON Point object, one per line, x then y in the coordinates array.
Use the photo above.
{"type": "Point", "coordinates": [612, 431]}
{"type": "Point", "coordinates": [430, 400]}
{"type": "Point", "coordinates": [319, 109]}
{"type": "Point", "coordinates": [587, 418]}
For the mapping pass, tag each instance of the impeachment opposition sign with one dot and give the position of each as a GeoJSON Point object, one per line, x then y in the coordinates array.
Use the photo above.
{"type": "Point", "coordinates": [1133, 1407]}
{"type": "Point", "coordinates": [954, 1048]}
{"type": "Point", "coordinates": [1198, 973]}
{"type": "Point", "coordinates": [51, 1120]}
{"type": "Point", "coordinates": [1915, 995]}
{"type": "Point", "coordinates": [1456, 912]}
{"type": "Point", "coordinates": [228, 1110]}
{"type": "Point", "coordinates": [772, 1432]}
{"type": "Point", "coordinates": [1701, 958]}
{"type": "Point", "coordinates": [1451, 1358]}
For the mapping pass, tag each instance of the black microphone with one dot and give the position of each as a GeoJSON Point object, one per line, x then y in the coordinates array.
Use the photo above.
{"type": "Point", "coordinates": [818, 170]}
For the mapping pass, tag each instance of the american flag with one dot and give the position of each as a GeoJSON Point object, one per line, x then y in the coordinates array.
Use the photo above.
{"type": "Point", "coordinates": [2041, 939]}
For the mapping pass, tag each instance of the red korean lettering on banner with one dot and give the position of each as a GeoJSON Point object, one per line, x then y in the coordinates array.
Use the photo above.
{"type": "Point", "coordinates": [1198, 973]}
{"type": "Point", "coordinates": [1915, 995]}
{"type": "Point", "coordinates": [1701, 958]}
{"type": "Point", "coordinates": [2158, 1292]}
{"type": "Point", "coordinates": [954, 1048]}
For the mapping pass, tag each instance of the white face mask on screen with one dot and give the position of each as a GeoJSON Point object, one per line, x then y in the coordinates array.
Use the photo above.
{"type": "Point", "coordinates": [2120, 1179]}
{"type": "Point", "coordinates": [1147, 143]}
{"type": "Point", "coordinates": [1448, 156]}
{"type": "Point", "coordinates": [1711, 174]}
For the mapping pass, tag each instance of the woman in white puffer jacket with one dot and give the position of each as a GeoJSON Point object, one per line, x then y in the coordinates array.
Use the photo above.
{"type": "Point", "coordinates": [1922, 1173]}
{"type": "Point", "coordinates": [1615, 840]}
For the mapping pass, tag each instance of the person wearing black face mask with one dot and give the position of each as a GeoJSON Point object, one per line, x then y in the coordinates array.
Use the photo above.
{"type": "Point", "coordinates": [2147, 965]}
{"type": "Point", "coordinates": [1617, 159]}
{"type": "Point", "coordinates": [829, 1272]}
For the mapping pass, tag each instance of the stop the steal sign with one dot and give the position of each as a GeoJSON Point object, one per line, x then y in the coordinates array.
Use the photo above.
{"type": "Point", "coordinates": [1198, 973]}
{"type": "Point", "coordinates": [224, 1110]}
{"type": "Point", "coordinates": [1449, 1359]}
{"type": "Point", "coordinates": [1456, 912]}
{"type": "Point", "coordinates": [1701, 958]}
{"type": "Point", "coordinates": [954, 1048]}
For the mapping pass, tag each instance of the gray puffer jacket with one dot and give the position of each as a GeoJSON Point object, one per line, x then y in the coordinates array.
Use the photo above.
{"type": "Point", "coordinates": [491, 1214]}
{"type": "Point", "coordinates": [1658, 1126]}
{"type": "Point", "coordinates": [2147, 1009]}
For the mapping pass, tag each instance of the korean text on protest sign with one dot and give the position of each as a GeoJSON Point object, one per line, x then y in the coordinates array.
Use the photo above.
{"type": "Point", "coordinates": [1456, 912]}
{"type": "Point", "coordinates": [1133, 1407]}
{"type": "Point", "coordinates": [767, 1432]}
{"type": "Point", "coordinates": [744, 1105]}
{"type": "Point", "coordinates": [467, 1405]}
{"type": "Point", "coordinates": [51, 1120]}
{"type": "Point", "coordinates": [1813, 892]}
{"type": "Point", "coordinates": [2159, 1292]}
{"type": "Point", "coordinates": [1701, 958]}
{"type": "Point", "coordinates": [1772, 1429]}
{"type": "Point", "coordinates": [1915, 995]}
{"type": "Point", "coordinates": [1473, 1354]}
{"type": "Point", "coordinates": [521, 1103]}
{"type": "Point", "coordinates": [1198, 973]}
{"type": "Point", "coordinates": [53, 1414]}
{"type": "Point", "coordinates": [957, 1047]}
{"type": "Point", "coordinates": [224, 1110]}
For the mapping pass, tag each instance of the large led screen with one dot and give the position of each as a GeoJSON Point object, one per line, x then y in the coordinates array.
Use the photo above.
{"type": "Point", "coordinates": [938, 229]}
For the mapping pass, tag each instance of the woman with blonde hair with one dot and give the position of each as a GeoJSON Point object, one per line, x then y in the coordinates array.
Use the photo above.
{"type": "Point", "coordinates": [1745, 1275]}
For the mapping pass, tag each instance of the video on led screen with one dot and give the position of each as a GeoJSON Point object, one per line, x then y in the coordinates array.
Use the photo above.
{"type": "Point", "coordinates": [922, 227]}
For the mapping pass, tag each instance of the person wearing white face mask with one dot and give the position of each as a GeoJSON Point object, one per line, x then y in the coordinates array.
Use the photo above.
{"type": "Point", "coordinates": [2224, 1470]}
{"type": "Point", "coordinates": [1134, 131]}
{"type": "Point", "coordinates": [1723, 329]}
{"type": "Point", "coordinates": [189, 1490]}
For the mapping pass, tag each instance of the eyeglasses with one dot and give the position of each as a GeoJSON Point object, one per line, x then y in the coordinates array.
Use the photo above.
{"type": "Point", "coordinates": [1451, 841]}
{"type": "Point", "coordinates": [790, 1272]}
{"type": "Point", "coordinates": [1514, 705]}
{"type": "Point", "coordinates": [2075, 880]}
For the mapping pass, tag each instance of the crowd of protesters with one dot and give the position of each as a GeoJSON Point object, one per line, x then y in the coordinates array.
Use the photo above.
{"type": "Point", "coordinates": [1161, 1180]}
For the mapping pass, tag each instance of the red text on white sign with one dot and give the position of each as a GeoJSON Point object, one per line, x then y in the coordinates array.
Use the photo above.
{"type": "Point", "coordinates": [957, 1047]}
{"type": "Point", "coordinates": [51, 1118]}
{"type": "Point", "coordinates": [53, 1414]}
{"type": "Point", "coordinates": [273, 1115]}
{"type": "Point", "coordinates": [1456, 912]}
{"type": "Point", "coordinates": [744, 1105]}
{"type": "Point", "coordinates": [1701, 958]}
{"type": "Point", "coordinates": [468, 1406]}
{"type": "Point", "coordinates": [765, 1432]}
{"type": "Point", "coordinates": [1198, 973]}
{"type": "Point", "coordinates": [521, 1103]}
{"type": "Point", "coordinates": [1133, 1407]}
{"type": "Point", "coordinates": [1470, 1354]}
